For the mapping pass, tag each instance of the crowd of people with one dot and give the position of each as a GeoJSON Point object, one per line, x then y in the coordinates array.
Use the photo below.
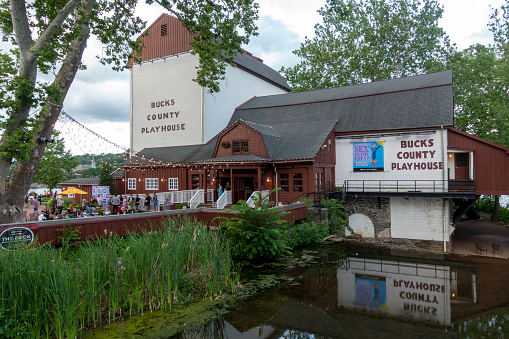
{"type": "Point", "coordinates": [117, 204]}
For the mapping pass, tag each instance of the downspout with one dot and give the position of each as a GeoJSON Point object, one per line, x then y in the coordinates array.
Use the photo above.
{"type": "Point", "coordinates": [131, 71]}
{"type": "Point", "coordinates": [277, 191]}
{"type": "Point", "coordinates": [446, 184]}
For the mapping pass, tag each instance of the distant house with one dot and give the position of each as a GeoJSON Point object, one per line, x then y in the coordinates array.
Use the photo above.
{"type": "Point", "coordinates": [84, 184]}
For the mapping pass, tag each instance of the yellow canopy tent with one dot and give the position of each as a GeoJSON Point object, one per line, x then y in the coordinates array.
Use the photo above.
{"type": "Point", "coordinates": [73, 190]}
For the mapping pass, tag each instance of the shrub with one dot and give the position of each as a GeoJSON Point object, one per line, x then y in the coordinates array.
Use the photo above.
{"type": "Point", "coordinates": [305, 234]}
{"type": "Point", "coordinates": [256, 232]}
{"type": "Point", "coordinates": [338, 217]}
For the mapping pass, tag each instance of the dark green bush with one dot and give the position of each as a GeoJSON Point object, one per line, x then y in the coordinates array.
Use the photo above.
{"type": "Point", "coordinates": [338, 216]}
{"type": "Point", "coordinates": [305, 234]}
{"type": "Point", "coordinates": [256, 232]}
{"type": "Point", "coordinates": [486, 204]}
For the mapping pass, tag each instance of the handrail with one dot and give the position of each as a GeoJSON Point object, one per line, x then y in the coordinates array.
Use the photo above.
{"type": "Point", "coordinates": [250, 201]}
{"type": "Point", "coordinates": [224, 199]}
{"type": "Point", "coordinates": [409, 186]}
{"type": "Point", "coordinates": [197, 198]}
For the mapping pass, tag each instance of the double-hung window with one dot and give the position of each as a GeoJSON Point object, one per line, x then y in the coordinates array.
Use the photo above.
{"type": "Point", "coordinates": [131, 183]}
{"type": "Point", "coordinates": [152, 184]}
{"type": "Point", "coordinates": [173, 184]}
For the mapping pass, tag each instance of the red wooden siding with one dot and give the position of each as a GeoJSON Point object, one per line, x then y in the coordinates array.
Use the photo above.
{"type": "Point", "coordinates": [105, 226]}
{"type": "Point", "coordinates": [292, 173]}
{"type": "Point", "coordinates": [324, 165]}
{"type": "Point", "coordinates": [239, 132]}
{"type": "Point", "coordinates": [156, 46]}
{"type": "Point", "coordinates": [162, 173]}
{"type": "Point", "coordinates": [491, 162]}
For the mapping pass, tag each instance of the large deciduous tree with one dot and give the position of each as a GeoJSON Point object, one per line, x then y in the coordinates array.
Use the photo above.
{"type": "Point", "coordinates": [49, 37]}
{"type": "Point", "coordinates": [368, 40]}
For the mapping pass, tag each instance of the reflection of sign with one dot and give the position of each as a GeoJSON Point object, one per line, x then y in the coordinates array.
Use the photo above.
{"type": "Point", "coordinates": [368, 156]}
{"type": "Point", "coordinates": [16, 235]}
{"type": "Point", "coordinates": [370, 291]}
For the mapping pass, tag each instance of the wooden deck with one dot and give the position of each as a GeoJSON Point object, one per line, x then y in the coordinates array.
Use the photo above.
{"type": "Point", "coordinates": [105, 226]}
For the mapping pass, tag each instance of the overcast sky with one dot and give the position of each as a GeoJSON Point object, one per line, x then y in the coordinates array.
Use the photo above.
{"type": "Point", "coordinates": [99, 97]}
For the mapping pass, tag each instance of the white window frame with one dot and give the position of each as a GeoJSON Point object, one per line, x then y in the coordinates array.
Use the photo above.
{"type": "Point", "coordinates": [173, 184]}
{"type": "Point", "coordinates": [131, 183]}
{"type": "Point", "coordinates": [152, 184]}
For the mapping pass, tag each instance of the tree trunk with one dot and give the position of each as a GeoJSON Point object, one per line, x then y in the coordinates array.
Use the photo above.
{"type": "Point", "coordinates": [13, 197]}
{"type": "Point", "coordinates": [494, 215]}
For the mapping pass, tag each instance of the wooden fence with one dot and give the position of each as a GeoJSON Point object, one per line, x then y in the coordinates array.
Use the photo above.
{"type": "Point", "coordinates": [105, 226]}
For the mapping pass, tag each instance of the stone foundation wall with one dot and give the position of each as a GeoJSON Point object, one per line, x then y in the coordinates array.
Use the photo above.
{"type": "Point", "coordinates": [377, 209]}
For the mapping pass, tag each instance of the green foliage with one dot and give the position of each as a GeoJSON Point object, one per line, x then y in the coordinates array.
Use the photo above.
{"type": "Point", "coordinates": [481, 92]}
{"type": "Point", "coordinates": [11, 327]}
{"type": "Point", "coordinates": [56, 164]}
{"type": "Point", "coordinates": [256, 232]}
{"type": "Point", "coordinates": [308, 201]}
{"type": "Point", "coordinates": [48, 295]}
{"type": "Point", "coordinates": [369, 40]}
{"type": "Point", "coordinates": [338, 216]}
{"type": "Point", "coordinates": [304, 234]}
{"type": "Point", "coordinates": [105, 177]}
{"type": "Point", "coordinates": [486, 204]}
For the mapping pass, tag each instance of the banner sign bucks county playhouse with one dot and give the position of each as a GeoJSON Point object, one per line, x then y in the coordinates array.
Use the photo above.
{"type": "Point", "coordinates": [12, 237]}
{"type": "Point", "coordinates": [368, 156]}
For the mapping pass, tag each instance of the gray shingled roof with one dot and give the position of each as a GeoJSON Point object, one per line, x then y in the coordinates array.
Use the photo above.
{"type": "Point", "coordinates": [413, 102]}
{"type": "Point", "coordinates": [259, 68]}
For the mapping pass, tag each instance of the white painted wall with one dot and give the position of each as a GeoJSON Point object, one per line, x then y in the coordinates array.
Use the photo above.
{"type": "Point", "coordinates": [420, 218]}
{"type": "Point", "coordinates": [405, 283]}
{"type": "Point", "coordinates": [397, 162]}
{"type": "Point", "coordinates": [362, 225]}
{"type": "Point", "coordinates": [169, 81]}
{"type": "Point", "coordinates": [200, 115]}
{"type": "Point", "coordinates": [238, 87]}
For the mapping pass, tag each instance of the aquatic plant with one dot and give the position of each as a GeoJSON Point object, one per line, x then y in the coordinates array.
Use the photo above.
{"type": "Point", "coordinates": [48, 294]}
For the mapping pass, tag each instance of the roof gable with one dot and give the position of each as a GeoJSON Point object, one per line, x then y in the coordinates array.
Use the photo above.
{"type": "Point", "coordinates": [177, 40]}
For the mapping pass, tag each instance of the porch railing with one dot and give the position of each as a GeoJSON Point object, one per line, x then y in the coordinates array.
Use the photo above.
{"type": "Point", "coordinates": [210, 195]}
{"type": "Point", "coordinates": [197, 198]}
{"type": "Point", "coordinates": [251, 201]}
{"type": "Point", "coordinates": [224, 199]}
{"type": "Point", "coordinates": [409, 186]}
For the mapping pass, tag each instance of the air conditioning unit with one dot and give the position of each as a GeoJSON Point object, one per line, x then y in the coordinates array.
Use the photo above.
{"type": "Point", "coordinates": [225, 145]}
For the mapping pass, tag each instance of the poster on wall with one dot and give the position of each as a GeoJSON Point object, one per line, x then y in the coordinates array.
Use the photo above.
{"type": "Point", "coordinates": [368, 156]}
{"type": "Point", "coordinates": [102, 193]}
{"type": "Point", "coordinates": [370, 291]}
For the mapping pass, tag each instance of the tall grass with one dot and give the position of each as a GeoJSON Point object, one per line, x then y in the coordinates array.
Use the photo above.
{"type": "Point", "coordinates": [46, 292]}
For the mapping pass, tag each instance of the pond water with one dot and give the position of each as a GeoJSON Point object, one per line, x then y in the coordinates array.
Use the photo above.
{"type": "Point", "coordinates": [346, 290]}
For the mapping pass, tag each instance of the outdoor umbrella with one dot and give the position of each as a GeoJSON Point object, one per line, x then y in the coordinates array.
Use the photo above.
{"type": "Point", "coordinates": [73, 190]}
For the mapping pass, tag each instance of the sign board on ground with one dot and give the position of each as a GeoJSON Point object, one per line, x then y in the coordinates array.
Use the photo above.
{"type": "Point", "coordinates": [10, 238]}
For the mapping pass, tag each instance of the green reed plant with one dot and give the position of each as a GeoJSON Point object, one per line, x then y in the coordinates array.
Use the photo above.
{"type": "Point", "coordinates": [48, 293]}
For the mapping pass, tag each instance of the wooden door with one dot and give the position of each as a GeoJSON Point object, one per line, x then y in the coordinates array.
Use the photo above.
{"type": "Point", "coordinates": [462, 166]}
